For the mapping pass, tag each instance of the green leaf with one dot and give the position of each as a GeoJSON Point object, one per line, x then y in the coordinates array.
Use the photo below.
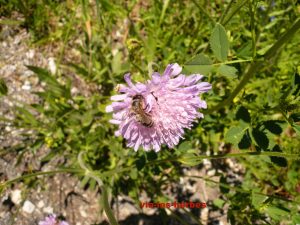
{"type": "Point", "coordinates": [273, 127]}
{"type": "Point", "coordinates": [260, 138]}
{"type": "Point", "coordinates": [245, 52]}
{"type": "Point", "coordinates": [199, 64]}
{"type": "Point", "coordinates": [140, 163]}
{"type": "Point", "coordinates": [53, 86]}
{"type": "Point", "coordinates": [228, 71]}
{"type": "Point", "coordinates": [243, 114]}
{"type": "Point", "coordinates": [3, 88]}
{"type": "Point", "coordinates": [27, 116]}
{"type": "Point", "coordinates": [296, 218]}
{"type": "Point", "coordinates": [189, 159]}
{"type": "Point", "coordinates": [296, 127]}
{"type": "Point", "coordinates": [224, 188]}
{"type": "Point", "coordinates": [219, 42]}
{"type": "Point", "coordinates": [185, 146]}
{"type": "Point", "coordinates": [279, 161]}
{"type": "Point", "coordinates": [295, 117]}
{"type": "Point", "coordinates": [277, 213]}
{"type": "Point", "coordinates": [245, 143]}
{"type": "Point", "coordinates": [134, 173]}
{"type": "Point", "coordinates": [234, 135]}
{"type": "Point", "coordinates": [116, 63]}
{"type": "Point", "coordinates": [219, 203]}
{"type": "Point", "coordinates": [258, 200]}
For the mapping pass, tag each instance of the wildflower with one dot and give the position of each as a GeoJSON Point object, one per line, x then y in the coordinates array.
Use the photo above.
{"type": "Point", "coordinates": [156, 112]}
{"type": "Point", "coordinates": [52, 220]}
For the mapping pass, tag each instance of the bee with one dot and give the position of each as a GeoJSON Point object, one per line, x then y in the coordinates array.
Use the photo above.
{"type": "Point", "coordinates": [137, 108]}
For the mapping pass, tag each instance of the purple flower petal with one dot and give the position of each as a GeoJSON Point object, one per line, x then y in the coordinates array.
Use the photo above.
{"type": "Point", "coordinates": [169, 104]}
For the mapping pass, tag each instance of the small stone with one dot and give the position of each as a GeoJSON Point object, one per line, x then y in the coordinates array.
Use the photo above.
{"type": "Point", "coordinates": [41, 204]}
{"type": "Point", "coordinates": [83, 212]}
{"type": "Point", "coordinates": [30, 54]}
{"type": "Point", "coordinates": [28, 207]}
{"type": "Point", "coordinates": [26, 85]}
{"type": "Point", "coordinates": [16, 196]}
{"type": "Point", "coordinates": [211, 172]}
{"type": "Point", "coordinates": [52, 65]}
{"type": "Point", "coordinates": [48, 210]}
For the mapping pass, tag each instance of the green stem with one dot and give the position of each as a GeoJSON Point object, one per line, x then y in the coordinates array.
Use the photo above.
{"type": "Point", "coordinates": [107, 208]}
{"type": "Point", "coordinates": [121, 170]}
{"type": "Point", "coordinates": [232, 62]}
{"type": "Point", "coordinates": [163, 12]}
{"type": "Point", "coordinates": [104, 197]}
{"type": "Point", "coordinates": [23, 177]}
{"type": "Point", "coordinates": [232, 12]}
{"type": "Point", "coordinates": [204, 11]}
{"type": "Point", "coordinates": [256, 65]}
{"type": "Point", "coordinates": [226, 11]}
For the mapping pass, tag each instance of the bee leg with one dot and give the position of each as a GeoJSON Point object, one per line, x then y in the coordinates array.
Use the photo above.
{"type": "Point", "coordinates": [146, 108]}
{"type": "Point", "coordinates": [154, 96]}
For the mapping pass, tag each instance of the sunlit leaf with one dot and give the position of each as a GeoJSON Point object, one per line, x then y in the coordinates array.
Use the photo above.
{"type": "Point", "coordinates": [219, 42]}
{"type": "Point", "coordinates": [234, 135]}
{"type": "Point", "coordinates": [199, 64]}
{"type": "Point", "coordinates": [228, 71]}
{"type": "Point", "coordinates": [260, 138]}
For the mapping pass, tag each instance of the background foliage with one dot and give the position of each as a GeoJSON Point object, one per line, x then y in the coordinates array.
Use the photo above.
{"type": "Point", "coordinates": [224, 40]}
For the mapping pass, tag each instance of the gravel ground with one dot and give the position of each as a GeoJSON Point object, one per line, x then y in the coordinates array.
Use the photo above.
{"type": "Point", "coordinates": [62, 194]}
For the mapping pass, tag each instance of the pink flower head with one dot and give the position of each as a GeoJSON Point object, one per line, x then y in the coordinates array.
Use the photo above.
{"type": "Point", "coordinates": [157, 112]}
{"type": "Point", "coordinates": [52, 220]}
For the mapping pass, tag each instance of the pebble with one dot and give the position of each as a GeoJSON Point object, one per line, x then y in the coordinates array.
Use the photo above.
{"type": "Point", "coordinates": [52, 65]}
{"type": "Point", "coordinates": [41, 204]}
{"type": "Point", "coordinates": [26, 85]}
{"type": "Point", "coordinates": [48, 210]}
{"type": "Point", "coordinates": [211, 172]}
{"type": "Point", "coordinates": [16, 196]}
{"type": "Point", "coordinates": [82, 212]}
{"type": "Point", "coordinates": [28, 207]}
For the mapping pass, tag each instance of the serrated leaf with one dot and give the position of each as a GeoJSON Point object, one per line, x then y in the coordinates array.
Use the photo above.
{"type": "Point", "coordinates": [199, 64]}
{"type": "Point", "coordinates": [3, 88]}
{"type": "Point", "coordinates": [227, 71]}
{"type": "Point", "coordinates": [243, 114]}
{"type": "Point", "coordinates": [273, 127]}
{"type": "Point", "coordinates": [234, 135]}
{"type": "Point", "coordinates": [260, 138]}
{"type": "Point", "coordinates": [245, 143]}
{"type": "Point", "coordinates": [219, 42]}
{"type": "Point", "coordinates": [279, 161]}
